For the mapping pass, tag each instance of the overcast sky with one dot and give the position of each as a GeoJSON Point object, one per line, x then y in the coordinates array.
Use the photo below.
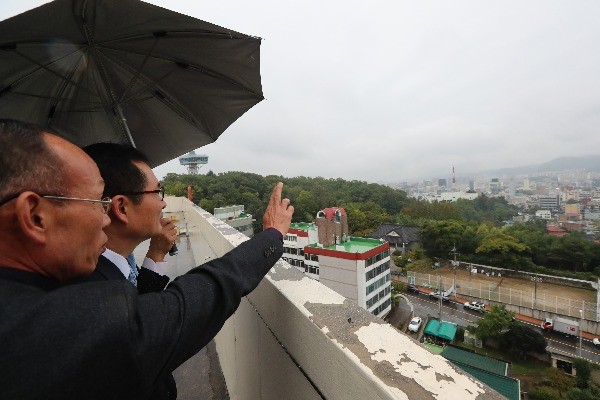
{"type": "Point", "coordinates": [402, 90]}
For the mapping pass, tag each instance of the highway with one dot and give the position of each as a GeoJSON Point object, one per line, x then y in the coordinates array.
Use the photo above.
{"type": "Point", "coordinates": [456, 313]}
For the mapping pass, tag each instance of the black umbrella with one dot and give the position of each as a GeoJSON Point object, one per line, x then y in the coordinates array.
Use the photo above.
{"type": "Point", "coordinates": [128, 72]}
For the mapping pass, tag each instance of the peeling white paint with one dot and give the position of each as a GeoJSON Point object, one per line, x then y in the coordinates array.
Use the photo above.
{"type": "Point", "coordinates": [299, 292]}
{"type": "Point", "coordinates": [397, 393]}
{"type": "Point", "coordinates": [416, 362]}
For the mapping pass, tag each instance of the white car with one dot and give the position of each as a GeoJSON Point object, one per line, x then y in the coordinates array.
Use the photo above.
{"type": "Point", "coordinates": [475, 306]}
{"type": "Point", "coordinates": [415, 324]}
{"type": "Point", "coordinates": [596, 342]}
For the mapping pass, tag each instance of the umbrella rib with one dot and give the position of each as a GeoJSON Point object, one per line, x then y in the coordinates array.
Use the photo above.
{"type": "Point", "coordinates": [198, 32]}
{"type": "Point", "coordinates": [117, 120]}
{"type": "Point", "coordinates": [61, 91]}
{"type": "Point", "coordinates": [198, 68]}
{"type": "Point", "coordinates": [138, 71]}
{"type": "Point", "coordinates": [45, 67]}
{"type": "Point", "coordinates": [168, 102]}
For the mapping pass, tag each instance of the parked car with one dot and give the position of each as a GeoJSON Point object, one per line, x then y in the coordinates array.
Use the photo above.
{"type": "Point", "coordinates": [437, 295]}
{"type": "Point", "coordinates": [475, 306]}
{"type": "Point", "coordinates": [415, 324]}
{"type": "Point", "coordinates": [413, 288]}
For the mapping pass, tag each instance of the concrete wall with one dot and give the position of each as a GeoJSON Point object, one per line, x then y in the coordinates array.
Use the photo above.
{"type": "Point", "coordinates": [339, 275]}
{"type": "Point", "coordinates": [579, 283]}
{"type": "Point", "coordinates": [294, 338]}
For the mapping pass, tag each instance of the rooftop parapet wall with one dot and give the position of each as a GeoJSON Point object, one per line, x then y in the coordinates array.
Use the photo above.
{"type": "Point", "coordinates": [293, 338]}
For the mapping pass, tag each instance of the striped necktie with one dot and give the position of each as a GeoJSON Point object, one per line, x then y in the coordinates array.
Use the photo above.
{"type": "Point", "coordinates": [134, 270]}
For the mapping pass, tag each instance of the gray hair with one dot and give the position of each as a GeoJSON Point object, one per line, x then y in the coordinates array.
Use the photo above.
{"type": "Point", "coordinates": [27, 162]}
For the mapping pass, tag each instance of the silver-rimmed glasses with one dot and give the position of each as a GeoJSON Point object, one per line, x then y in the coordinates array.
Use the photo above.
{"type": "Point", "coordinates": [160, 192]}
{"type": "Point", "coordinates": [105, 202]}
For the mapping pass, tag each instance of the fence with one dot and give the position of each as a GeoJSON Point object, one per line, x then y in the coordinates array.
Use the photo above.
{"type": "Point", "coordinates": [495, 292]}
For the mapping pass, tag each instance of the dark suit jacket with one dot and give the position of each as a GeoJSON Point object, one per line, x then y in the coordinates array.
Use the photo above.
{"type": "Point", "coordinates": [148, 281]}
{"type": "Point", "coordinates": [100, 340]}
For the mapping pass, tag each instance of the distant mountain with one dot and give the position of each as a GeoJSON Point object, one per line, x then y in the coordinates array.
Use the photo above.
{"type": "Point", "coordinates": [588, 163]}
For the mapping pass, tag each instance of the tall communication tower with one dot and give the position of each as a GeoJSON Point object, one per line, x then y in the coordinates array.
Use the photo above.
{"type": "Point", "coordinates": [453, 178]}
{"type": "Point", "coordinates": [193, 161]}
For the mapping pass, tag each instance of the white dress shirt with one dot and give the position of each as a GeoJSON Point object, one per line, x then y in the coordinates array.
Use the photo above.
{"type": "Point", "coordinates": [123, 265]}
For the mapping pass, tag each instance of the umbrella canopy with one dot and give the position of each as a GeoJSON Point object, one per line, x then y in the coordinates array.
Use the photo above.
{"type": "Point", "coordinates": [128, 72]}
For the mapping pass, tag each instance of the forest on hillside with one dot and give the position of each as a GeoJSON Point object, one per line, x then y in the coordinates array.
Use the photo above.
{"type": "Point", "coordinates": [368, 204]}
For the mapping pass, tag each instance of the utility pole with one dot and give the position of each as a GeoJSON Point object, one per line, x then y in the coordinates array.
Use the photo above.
{"type": "Point", "coordinates": [440, 296]}
{"type": "Point", "coordinates": [535, 280]}
{"type": "Point", "coordinates": [580, 330]}
{"type": "Point", "coordinates": [454, 266]}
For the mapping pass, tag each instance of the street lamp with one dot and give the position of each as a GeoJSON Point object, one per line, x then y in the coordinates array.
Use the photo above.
{"type": "Point", "coordinates": [580, 330]}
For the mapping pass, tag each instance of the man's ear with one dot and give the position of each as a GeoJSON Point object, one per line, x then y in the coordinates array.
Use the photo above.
{"type": "Point", "coordinates": [120, 208]}
{"type": "Point", "coordinates": [34, 216]}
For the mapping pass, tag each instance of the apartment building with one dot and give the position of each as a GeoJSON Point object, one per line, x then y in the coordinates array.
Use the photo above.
{"type": "Point", "coordinates": [357, 268]}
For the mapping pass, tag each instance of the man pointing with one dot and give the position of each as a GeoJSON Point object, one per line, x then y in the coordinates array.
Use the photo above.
{"type": "Point", "coordinates": [98, 340]}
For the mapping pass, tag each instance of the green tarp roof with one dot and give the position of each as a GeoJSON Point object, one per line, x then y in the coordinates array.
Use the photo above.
{"type": "Point", "coordinates": [490, 371]}
{"type": "Point", "coordinates": [444, 330]}
{"type": "Point", "coordinates": [476, 360]}
{"type": "Point", "coordinates": [508, 387]}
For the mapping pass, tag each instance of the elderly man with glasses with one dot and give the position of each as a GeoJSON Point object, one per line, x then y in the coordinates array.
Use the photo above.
{"type": "Point", "coordinates": [99, 340]}
{"type": "Point", "coordinates": [136, 215]}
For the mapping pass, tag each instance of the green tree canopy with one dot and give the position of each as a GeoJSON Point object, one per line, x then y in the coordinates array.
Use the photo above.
{"type": "Point", "coordinates": [521, 339]}
{"type": "Point", "coordinates": [493, 323]}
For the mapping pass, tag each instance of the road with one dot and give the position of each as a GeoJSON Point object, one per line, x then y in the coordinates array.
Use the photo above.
{"type": "Point", "coordinates": [456, 313]}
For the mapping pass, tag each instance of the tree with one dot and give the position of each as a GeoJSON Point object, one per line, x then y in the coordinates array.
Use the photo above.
{"type": "Point", "coordinates": [493, 323]}
{"type": "Point", "coordinates": [305, 207]}
{"type": "Point", "coordinates": [439, 211]}
{"type": "Point", "coordinates": [438, 237]}
{"type": "Point", "coordinates": [584, 372]}
{"type": "Point", "coordinates": [591, 393]}
{"type": "Point", "coordinates": [498, 248]}
{"type": "Point", "coordinates": [521, 339]}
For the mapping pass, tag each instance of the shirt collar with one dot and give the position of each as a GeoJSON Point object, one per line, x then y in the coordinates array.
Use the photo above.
{"type": "Point", "coordinates": [119, 261]}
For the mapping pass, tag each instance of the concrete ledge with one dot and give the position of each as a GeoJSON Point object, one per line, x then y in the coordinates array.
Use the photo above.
{"type": "Point", "coordinates": [294, 338]}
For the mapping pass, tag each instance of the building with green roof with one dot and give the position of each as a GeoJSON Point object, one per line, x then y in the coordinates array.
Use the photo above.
{"type": "Point", "coordinates": [357, 268]}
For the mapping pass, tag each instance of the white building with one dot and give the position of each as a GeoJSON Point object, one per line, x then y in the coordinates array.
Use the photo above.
{"type": "Point", "coordinates": [450, 196]}
{"type": "Point", "coordinates": [235, 217]}
{"type": "Point", "coordinates": [356, 268]}
{"type": "Point", "coordinates": [543, 214]}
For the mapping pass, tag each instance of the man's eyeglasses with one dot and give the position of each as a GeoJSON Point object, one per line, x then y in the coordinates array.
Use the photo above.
{"type": "Point", "coordinates": [160, 192]}
{"type": "Point", "coordinates": [105, 202]}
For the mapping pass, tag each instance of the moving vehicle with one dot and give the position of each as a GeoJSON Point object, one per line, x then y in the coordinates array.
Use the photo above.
{"type": "Point", "coordinates": [596, 342]}
{"type": "Point", "coordinates": [475, 306]}
{"type": "Point", "coordinates": [413, 288]}
{"type": "Point", "coordinates": [561, 325]}
{"type": "Point", "coordinates": [437, 295]}
{"type": "Point", "coordinates": [415, 324]}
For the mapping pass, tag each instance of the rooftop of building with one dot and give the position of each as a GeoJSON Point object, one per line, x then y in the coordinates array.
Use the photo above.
{"type": "Point", "coordinates": [302, 225]}
{"type": "Point", "coordinates": [354, 245]}
{"type": "Point", "coordinates": [242, 215]}
{"type": "Point", "coordinates": [403, 233]}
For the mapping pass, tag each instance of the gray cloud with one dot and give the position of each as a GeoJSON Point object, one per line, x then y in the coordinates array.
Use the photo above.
{"type": "Point", "coordinates": [395, 90]}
